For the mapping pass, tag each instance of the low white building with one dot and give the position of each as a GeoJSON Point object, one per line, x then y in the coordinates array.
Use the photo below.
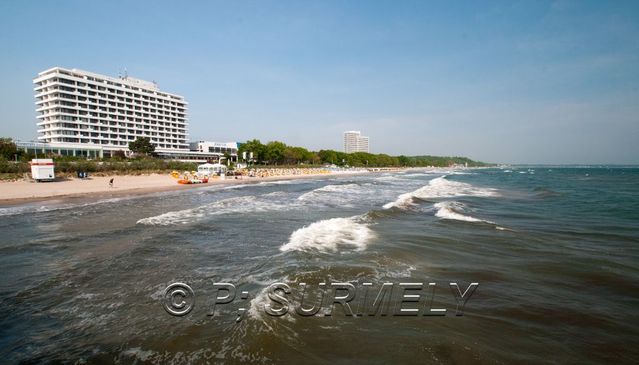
{"type": "Point", "coordinates": [217, 148]}
{"type": "Point", "coordinates": [60, 149]}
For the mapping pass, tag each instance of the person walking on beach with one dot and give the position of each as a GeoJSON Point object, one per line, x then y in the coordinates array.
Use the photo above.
{"type": "Point", "coordinates": [111, 183]}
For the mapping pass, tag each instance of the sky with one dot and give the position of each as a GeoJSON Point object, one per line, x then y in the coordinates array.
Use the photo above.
{"type": "Point", "coordinates": [553, 82]}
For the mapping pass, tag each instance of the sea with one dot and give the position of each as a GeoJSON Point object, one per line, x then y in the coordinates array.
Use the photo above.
{"type": "Point", "coordinates": [521, 264]}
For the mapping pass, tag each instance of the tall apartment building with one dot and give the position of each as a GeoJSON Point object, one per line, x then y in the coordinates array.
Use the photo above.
{"type": "Point", "coordinates": [80, 107]}
{"type": "Point", "coordinates": [355, 142]}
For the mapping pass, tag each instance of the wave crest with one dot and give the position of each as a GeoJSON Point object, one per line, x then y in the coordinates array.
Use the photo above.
{"type": "Point", "coordinates": [453, 210]}
{"type": "Point", "coordinates": [329, 234]}
{"type": "Point", "coordinates": [241, 204]}
{"type": "Point", "coordinates": [342, 191]}
{"type": "Point", "coordinates": [440, 188]}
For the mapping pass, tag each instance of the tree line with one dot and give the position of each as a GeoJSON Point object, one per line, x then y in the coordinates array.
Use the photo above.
{"type": "Point", "coordinates": [271, 153]}
{"type": "Point", "coordinates": [278, 153]}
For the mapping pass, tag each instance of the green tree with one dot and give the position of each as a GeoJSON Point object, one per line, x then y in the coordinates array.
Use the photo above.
{"type": "Point", "coordinates": [295, 155]}
{"type": "Point", "coordinates": [254, 146]}
{"type": "Point", "coordinates": [142, 145]}
{"type": "Point", "coordinates": [277, 152]}
{"type": "Point", "coordinates": [8, 148]}
{"type": "Point", "coordinates": [274, 152]}
{"type": "Point", "coordinates": [118, 155]}
{"type": "Point", "coordinates": [328, 156]}
{"type": "Point", "coordinates": [227, 158]}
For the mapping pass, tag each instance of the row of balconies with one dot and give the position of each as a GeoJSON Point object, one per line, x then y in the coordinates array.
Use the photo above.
{"type": "Point", "coordinates": [128, 130]}
{"type": "Point", "coordinates": [105, 143]}
{"type": "Point", "coordinates": [52, 109]}
{"type": "Point", "coordinates": [134, 124]}
{"type": "Point", "coordinates": [167, 99]}
{"type": "Point", "coordinates": [81, 94]}
{"type": "Point", "coordinates": [78, 97]}
{"type": "Point", "coordinates": [75, 111]}
{"type": "Point", "coordinates": [68, 130]}
{"type": "Point", "coordinates": [104, 126]}
{"type": "Point", "coordinates": [138, 133]}
{"type": "Point", "coordinates": [159, 121]}
{"type": "Point", "coordinates": [85, 81]}
{"type": "Point", "coordinates": [176, 111]}
{"type": "Point", "coordinates": [120, 138]}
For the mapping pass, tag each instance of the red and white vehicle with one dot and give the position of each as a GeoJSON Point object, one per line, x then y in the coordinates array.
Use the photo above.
{"type": "Point", "coordinates": [42, 169]}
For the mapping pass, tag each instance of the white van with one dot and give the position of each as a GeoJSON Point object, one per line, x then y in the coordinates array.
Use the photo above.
{"type": "Point", "coordinates": [42, 169]}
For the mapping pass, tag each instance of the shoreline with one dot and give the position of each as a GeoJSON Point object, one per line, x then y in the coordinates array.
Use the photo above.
{"type": "Point", "coordinates": [25, 192]}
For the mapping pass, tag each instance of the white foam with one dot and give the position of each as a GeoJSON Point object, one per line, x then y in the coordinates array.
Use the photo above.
{"type": "Point", "coordinates": [276, 194]}
{"type": "Point", "coordinates": [440, 188]}
{"type": "Point", "coordinates": [392, 179]}
{"type": "Point", "coordinates": [256, 307]}
{"type": "Point", "coordinates": [258, 303]}
{"type": "Point", "coordinates": [417, 174]}
{"type": "Point", "coordinates": [451, 210]}
{"type": "Point", "coordinates": [241, 204]}
{"type": "Point", "coordinates": [331, 234]}
{"type": "Point", "coordinates": [397, 272]}
{"type": "Point", "coordinates": [283, 182]}
{"type": "Point", "coordinates": [28, 209]}
{"type": "Point", "coordinates": [319, 193]}
{"type": "Point", "coordinates": [139, 354]}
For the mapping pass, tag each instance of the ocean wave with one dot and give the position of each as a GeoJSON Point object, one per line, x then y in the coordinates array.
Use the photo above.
{"type": "Point", "coordinates": [453, 210]}
{"type": "Point", "coordinates": [333, 190]}
{"type": "Point", "coordinates": [392, 179]}
{"type": "Point", "coordinates": [330, 234]}
{"type": "Point", "coordinates": [440, 188]}
{"type": "Point", "coordinates": [284, 182]}
{"type": "Point", "coordinates": [276, 194]}
{"type": "Point", "coordinates": [542, 192]}
{"type": "Point", "coordinates": [414, 174]}
{"type": "Point", "coordinates": [257, 305]}
{"type": "Point", "coordinates": [241, 204]}
{"type": "Point", "coordinates": [29, 209]}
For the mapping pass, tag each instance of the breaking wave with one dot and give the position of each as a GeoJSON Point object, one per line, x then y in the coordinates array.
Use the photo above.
{"type": "Point", "coordinates": [330, 234]}
{"type": "Point", "coordinates": [337, 193]}
{"type": "Point", "coordinates": [241, 204]}
{"type": "Point", "coordinates": [440, 188]}
{"type": "Point", "coordinates": [453, 210]}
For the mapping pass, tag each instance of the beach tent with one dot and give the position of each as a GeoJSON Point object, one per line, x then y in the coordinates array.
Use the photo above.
{"type": "Point", "coordinates": [211, 168]}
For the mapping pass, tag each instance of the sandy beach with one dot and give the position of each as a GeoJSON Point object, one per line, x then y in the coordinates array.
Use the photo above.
{"type": "Point", "coordinates": [17, 192]}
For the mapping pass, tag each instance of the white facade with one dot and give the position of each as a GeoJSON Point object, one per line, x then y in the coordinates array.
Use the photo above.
{"type": "Point", "coordinates": [60, 149]}
{"type": "Point", "coordinates": [215, 147]}
{"type": "Point", "coordinates": [81, 107]}
{"type": "Point", "coordinates": [355, 142]}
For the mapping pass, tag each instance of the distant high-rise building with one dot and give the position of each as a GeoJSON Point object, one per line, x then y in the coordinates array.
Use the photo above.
{"type": "Point", "coordinates": [355, 142]}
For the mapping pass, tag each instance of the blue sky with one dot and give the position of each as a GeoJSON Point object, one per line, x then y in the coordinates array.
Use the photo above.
{"type": "Point", "coordinates": [512, 81]}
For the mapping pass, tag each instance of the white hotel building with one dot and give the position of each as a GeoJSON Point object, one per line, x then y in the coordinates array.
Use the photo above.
{"type": "Point", "coordinates": [355, 142]}
{"type": "Point", "coordinates": [87, 110]}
